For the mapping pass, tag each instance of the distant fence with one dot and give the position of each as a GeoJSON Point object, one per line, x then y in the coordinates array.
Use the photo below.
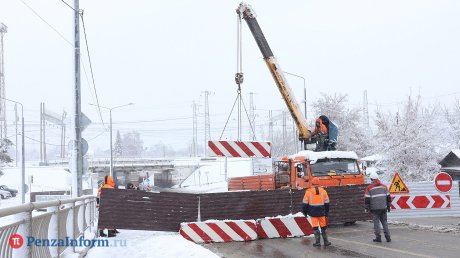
{"type": "Point", "coordinates": [431, 201]}
{"type": "Point", "coordinates": [131, 209]}
{"type": "Point", "coordinates": [33, 195]}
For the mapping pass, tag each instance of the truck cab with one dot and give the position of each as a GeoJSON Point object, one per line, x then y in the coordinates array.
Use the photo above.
{"type": "Point", "coordinates": [332, 168]}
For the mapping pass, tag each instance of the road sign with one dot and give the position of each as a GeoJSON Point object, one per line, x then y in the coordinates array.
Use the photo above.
{"type": "Point", "coordinates": [84, 147]}
{"type": "Point", "coordinates": [443, 182]}
{"type": "Point", "coordinates": [84, 121]}
{"type": "Point", "coordinates": [397, 185]}
{"type": "Point", "coordinates": [428, 201]}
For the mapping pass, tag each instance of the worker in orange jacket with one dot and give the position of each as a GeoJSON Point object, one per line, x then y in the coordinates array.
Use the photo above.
{"type": "Point", "coordinates": [320, 133]}
{"type": "Point", "coordinates": [108, 183]}
{"type": "Point", "coordinates": [316, 204]}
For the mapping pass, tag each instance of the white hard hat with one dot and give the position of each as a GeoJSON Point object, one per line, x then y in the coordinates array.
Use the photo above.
{"type": "Point", "coordinates": [374, 175]}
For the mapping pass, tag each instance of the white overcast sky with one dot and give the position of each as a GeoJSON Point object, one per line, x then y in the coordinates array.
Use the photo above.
{"type": "Point", "coordinates": [162, 55]}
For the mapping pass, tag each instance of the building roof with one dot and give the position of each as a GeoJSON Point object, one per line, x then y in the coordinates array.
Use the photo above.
{"type": "Point", "coordinates": [450, 159]}
{"type": "Point", "coordinates": [456, 152]}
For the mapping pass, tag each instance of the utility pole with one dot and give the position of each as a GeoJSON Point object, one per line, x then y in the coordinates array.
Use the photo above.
{"type": "Point", "coordinates": [64, 114]}
{"type": "Point", "coordinates": [252, 118]}
{"type": "Point", "coordinates": [16, 125]}
{"type": "Point", "coordinates": [77, 157]}
{"type": "Point", "coordinates": [195, 130]}
{"type": "Point", "coordinates": [3, 133]}
{"type": "Point", "coordinates": [207, 123]}
{"type": "Point", "coordinates": [365, 111]}
{"type": "Point", "coordinates": [284, 132]}
{"type": "Point", "coordinates": [270, 125]}
{"type": "Point", "coordinates": [43, 159]}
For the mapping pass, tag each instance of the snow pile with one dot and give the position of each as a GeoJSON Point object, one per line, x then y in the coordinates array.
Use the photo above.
{"type": "Point", "coordinates": [298, 214]}
{"type": "Point", "coordinates": [438, 228]}
{"type": "Point", "coordinates": [313, 157]}
{"type": "Point", "coordinates": [44, 178]}
{"type": "Point", "coordinates": [140, 244]}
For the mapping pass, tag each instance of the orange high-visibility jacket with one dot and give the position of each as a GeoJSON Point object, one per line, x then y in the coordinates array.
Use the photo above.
{"type": "Point", "coordinates": [320, 127]}
{"type": "Point", "coordinates": [317, 201]}
{"type": "Point", "coordinates": [108, 182]}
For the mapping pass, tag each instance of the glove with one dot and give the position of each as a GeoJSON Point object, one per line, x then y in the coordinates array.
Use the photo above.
{"type": "Point", "coordinates": [366, 210]}
{"type": "Point", "coordinates": [305, 210]}
{"type": "Point", "coordinates": [388, 209]}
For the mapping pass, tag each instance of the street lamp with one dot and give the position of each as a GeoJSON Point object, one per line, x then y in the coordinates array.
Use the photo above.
{"type": "Point", "coordinates": [23, 157]}
{"type": "Point", "coordinates": [304, 92]}
{"type": "Point", "coordinates": [111, 145]}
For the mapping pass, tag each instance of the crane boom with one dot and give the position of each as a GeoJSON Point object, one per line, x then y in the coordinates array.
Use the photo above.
{"type": "Point", "coordinates": [246, 12]}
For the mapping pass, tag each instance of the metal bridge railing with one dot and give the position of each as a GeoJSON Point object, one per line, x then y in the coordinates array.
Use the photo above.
{"type": "Point", "coordinates": [63, 220]}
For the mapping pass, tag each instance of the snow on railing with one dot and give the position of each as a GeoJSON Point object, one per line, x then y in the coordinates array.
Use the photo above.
{"type": "Point", "coordinates": [63, 220]}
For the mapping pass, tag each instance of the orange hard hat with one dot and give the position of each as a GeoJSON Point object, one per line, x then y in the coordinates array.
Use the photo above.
{"type": "Point", "coordinates": [315, 181]}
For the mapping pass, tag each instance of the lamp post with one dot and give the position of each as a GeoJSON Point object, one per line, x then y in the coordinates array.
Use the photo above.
{"type": "Point", "coordinates": [23, 157]}
{"type": "Point", "coordinates": [304, 92]}
{"type": "Point", "coordinates": [111, 145]}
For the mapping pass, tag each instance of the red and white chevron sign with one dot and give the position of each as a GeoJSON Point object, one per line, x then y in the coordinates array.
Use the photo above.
{"type": "Point", "coordinates": [240, 149]}
{"type": "Point", "coordinates": [219, 231]}
{"type": "Point", "coordinates": [420, 202]}
{"type": "Point", "coordinates": [284, 227]}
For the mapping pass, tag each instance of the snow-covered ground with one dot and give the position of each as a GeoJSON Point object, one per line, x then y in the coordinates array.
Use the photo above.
{"type": "Point", "coordinates": [140, 244]}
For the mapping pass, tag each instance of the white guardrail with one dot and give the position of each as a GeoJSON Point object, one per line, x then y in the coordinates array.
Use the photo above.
{"type": "Point", "coordinates": [63, 220]}
{"type": "Point", "coordinates": [425, 195]}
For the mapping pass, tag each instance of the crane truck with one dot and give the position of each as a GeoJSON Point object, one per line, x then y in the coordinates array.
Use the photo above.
{"type": "Point", "coordinates": [332, 168]}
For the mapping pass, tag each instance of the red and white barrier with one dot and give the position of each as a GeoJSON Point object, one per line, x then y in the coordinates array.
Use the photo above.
{"type": "Point", "coordinates": [219, 231]}
{"type": "Point", "coordinates": [240, 149]}
{"type": "Point", "coordinates": [420, 202]}
{"type": "Point", "coordinates": [284, 226]}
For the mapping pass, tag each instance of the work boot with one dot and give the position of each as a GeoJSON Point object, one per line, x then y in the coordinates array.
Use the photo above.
{"type": "Point", "coordinates": [101, 233]}
{"type": "Point", "coordinates": [111, 233]}
{"type": "Point", "coordinates": [326, 242]}
{"type": "Point", "coordinates": [388, 238]}
{"type": "Point", "coordinates": [377, 239]}
{"type": "Point", "coordinates": [317, 238]}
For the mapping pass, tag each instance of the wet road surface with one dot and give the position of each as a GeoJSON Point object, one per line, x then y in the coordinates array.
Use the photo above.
{"type": "Point", "coordinates": [349, 241]}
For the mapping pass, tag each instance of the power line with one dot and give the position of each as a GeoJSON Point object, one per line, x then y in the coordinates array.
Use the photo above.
{"type": "Point", "coordinates": [49, 25]}
{"type": "Point", "coordinates": [30, 138]}
{"type": "Point", "coordinates": [91, 67]}
{"type": "Point", "coordinates": [97, 136]}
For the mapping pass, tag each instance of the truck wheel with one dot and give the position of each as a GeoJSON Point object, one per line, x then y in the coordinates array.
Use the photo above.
{"type": "Point", "coordinates": [350, 223]}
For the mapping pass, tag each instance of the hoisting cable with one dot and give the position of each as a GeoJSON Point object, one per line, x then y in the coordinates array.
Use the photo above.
{"type": "Point", "coordinates": [239, 78]}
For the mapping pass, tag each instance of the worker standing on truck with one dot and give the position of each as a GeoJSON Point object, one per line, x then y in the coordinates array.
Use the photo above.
{"type": "Point", "coordinates": [377, 200]}
{"type": "Point", "coordinates": [316, 204]}
{"type": "Point", "coordinates": [320, 133]}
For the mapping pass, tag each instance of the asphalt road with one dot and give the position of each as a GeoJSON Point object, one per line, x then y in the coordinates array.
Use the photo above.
{"type": "Point", "coordinates": [350, 241]}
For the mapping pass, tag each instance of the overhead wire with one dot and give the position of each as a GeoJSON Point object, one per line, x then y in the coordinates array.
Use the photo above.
{"type": "Point", "coordinates": [91, 68]}
{"type": "Point", "coordinates": [49, 25]}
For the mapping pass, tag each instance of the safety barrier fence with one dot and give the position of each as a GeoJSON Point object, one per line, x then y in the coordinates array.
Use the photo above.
{"type": "Point", "coordinates": [165, 211]}
{"type": "Point", "coordinates": [423, 200]}
{"type": "Point", "coordinates": [63, 220]}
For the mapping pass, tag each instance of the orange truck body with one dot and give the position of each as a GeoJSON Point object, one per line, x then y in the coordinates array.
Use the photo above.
{"type": "Point", "coordinates": [332, 168]}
